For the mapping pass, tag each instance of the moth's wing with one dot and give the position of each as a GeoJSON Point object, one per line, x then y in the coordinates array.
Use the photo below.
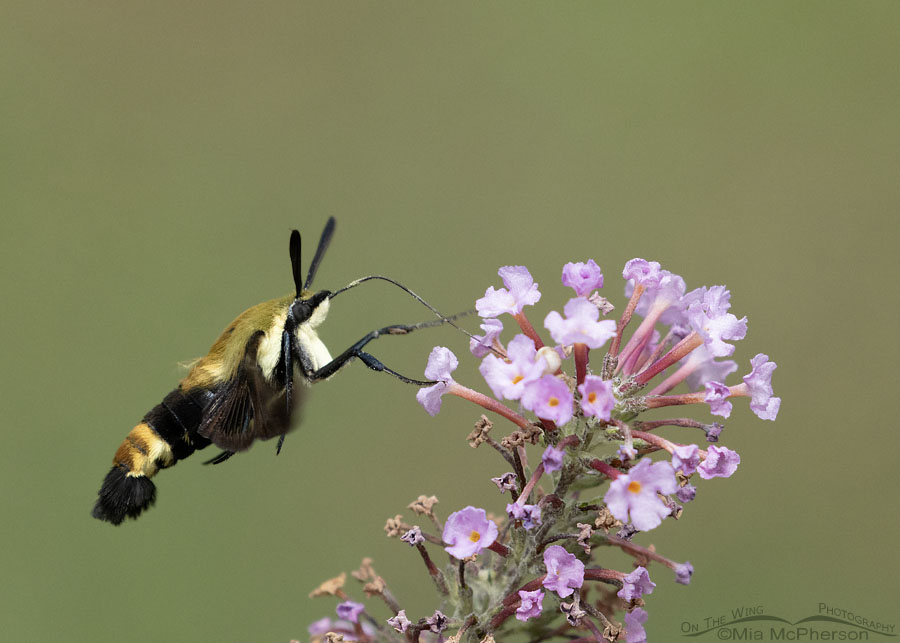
{"type": "Point", "coordinates": [246, 408]}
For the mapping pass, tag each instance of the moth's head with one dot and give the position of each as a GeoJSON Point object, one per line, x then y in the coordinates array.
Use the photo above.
{"type": "Point", "coordinates": [309, 307]}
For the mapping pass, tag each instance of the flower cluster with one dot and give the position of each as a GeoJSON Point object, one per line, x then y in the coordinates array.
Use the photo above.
{"type": "Point", "coordinates": [605, 473]}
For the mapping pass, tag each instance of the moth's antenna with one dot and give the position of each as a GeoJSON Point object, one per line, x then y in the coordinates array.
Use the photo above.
{"type": "Point", "coordinates": [443, 319]}
{"type": "Point", "coordinates": [295, 260]}
{"type": "Point", "coordinates": [324, 240]}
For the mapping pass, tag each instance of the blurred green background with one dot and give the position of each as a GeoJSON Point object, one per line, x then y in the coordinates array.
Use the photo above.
{"type": "Point", "coordinates": [155, 157]}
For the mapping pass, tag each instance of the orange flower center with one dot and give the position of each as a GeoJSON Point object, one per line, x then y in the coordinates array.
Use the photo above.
{"type": "Point", "coordinates": [592, 397]}
{"type": "Point", "coordinates": [553, 402]}
{"type": "Point", "coordinates": [634, 486]}
{"type": "Point", "coordinates": [474, 536]}
{"type": "Point", "coordinates": [517, 379]}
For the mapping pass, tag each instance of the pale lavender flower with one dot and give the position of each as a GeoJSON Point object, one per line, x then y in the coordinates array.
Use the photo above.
{"type": "Point", "coordinates": [506, 482]}
{"type": "Point", "coordinates": [717, 398]}
{"type": "Point", "coordinates": [349, 610]}
{"type": "Point", "coordinates": [646, 273]}
{"type": "Point", "coordinates": [318, 628]}
{"type": "Point", "coordinates": [683, 573]}
{"type": "Point", "coordinates": [597, 397]}
{"type": "Point", "coordinates": [632, 497]}
{"type": "Point", "coordinates": [399, 622]}
{"type": "Point", "coordinates": [664, 300]}
{"type": "Point", "coordinates": [582, 277]}
{"type": "Point", "coordinates": [565, 573]}
{"type": "Point", "coordinates": [531, 605]}
{"type": "Point", "coordinates": [636, 584]}
{"type": "Point", "coordinates": [759, 383]}
{"type": "Point", "coordinates": [634, 622]}
{"type": "Point", "coordinates": [441, 362]}
{"type": "Point", "coordinates": [581, 325]}
{"type": "Point", "coordinates": [686, 458]}
{"type": "Point", "coordinates": [553, 459]}
{"type": "Point", "coordinates": [530, 515]}
{"type": "Point", "coordinates": [720, 463]}
{"type": "Point", "coordinates": [550, 399]}
{"type": "Point", "coordinates": [480, 345]}
{"type": "Point", "coordinates": [713, 431]}
{"type": "Point", "coordinates": [520, 291]}
{"type": "Point", "coordinates": [508, 378]}
{"type": "Point", "coordinates": [437, 622]}
{"type": "Point", "coordinates": [468, 531]}
{"type": "Point", "coordinates": [710, 318]}
{"type": "Point", "coordinates": [703, 368]}
{"type": "Point", "coordinates": [413, 536]}
{"type": "Point", "coordinates": [686, 493]}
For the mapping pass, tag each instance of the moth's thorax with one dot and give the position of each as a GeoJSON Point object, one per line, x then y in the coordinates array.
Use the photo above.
{"type": "Point", "coordinates": [269, 352]}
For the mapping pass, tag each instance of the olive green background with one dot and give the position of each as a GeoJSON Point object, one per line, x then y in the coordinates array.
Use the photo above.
{"type": "Point", "coordinates": [156, 155]}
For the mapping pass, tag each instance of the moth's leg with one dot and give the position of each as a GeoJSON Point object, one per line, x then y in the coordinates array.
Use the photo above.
{"type": "Point", "coordinates": [369, 360]}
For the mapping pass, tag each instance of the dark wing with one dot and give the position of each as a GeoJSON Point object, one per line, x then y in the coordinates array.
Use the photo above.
{"type": "Point", "coordinates": [246, 408]}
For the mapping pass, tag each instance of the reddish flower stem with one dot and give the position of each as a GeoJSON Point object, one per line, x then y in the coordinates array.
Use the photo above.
{"type": "Point", "coordinates": [581, 361]}
{"type": "Point", "coordinates": [529, 330]}
{"type": "Point", "coordinates": [678, 351]}
{"type": "Point", "coordinates": [653, 439]}
{"type": "Point", "coordinates": [605, 469]}
{"type": "Point", "coordinates": [489, 403]}
{"type": "Point", "coordinates": [657, 401]}
{"type": "Point", "coordinates": [433, 571]}
{"type": "Point", "coordinates": [626, 317]}
{"type": "Point", "coordinates": [649, 426]}
{"type": "Point", "coordinates": [499, 548]}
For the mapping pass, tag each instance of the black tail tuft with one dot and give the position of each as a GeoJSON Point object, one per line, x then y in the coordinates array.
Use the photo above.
{"type": "Point", "coordinates": [123, 496]}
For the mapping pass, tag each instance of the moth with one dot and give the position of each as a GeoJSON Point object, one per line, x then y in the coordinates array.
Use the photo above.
{"type": "Point", "coordinates": [244, 389]}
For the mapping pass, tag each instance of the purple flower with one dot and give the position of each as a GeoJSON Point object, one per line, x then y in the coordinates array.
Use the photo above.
{"type": "Point", "coordinates": [626, 452]}
{"type": "Point", "coordinates": [720, 463]}
{"type": "Point", "coordinates": [553, 459]}
{"type": "Point", "coordinates": [468, 531]}
{"type": "Point", "coordinates": [565, 573]}
{"type": "Point", "coordinates": [633, 496]}
{"type": "Point", "coordinates": [581, 325]}
{"type": "Point", "coordinates": [717, 398]}
{"type": "Point", "coordinates": [759, 382]}
{"type": "Point", "coordinates": [663, 298]}
{"type": "Point", "coordinates": [550, 399]}
{"type": "Point", "coordinates": [399, 622]}
{"type": "Point", "coordinates": [318, 628]}
{"type": "Point", "coordinates": [704, 368]}
{"type": "Point", "coordinates": [646, 273]}
{"type": "Point", "coordinates": [713, 431]}
{"type": "Point", "coordinates": [413, 536]}
{"type": "Point", "coordinates": [683, 573]}
{"type": "Point", "coordinates": [531, 605]}
{"type": "Point", "coordinates": [686, 457]}
{"type": "Point", "coordinates": [636, 584]}
{"type": "Point", "coordinates": [441, 362]}
{"type": "Point", "coordinates": [686, 493]}
{"type": "Point", "coordinates": [710, 318]}
{"type": "Point", "coordinates": [582, 277]}
{"type": "Point", "coordinates": [506, 482]}
{"type": "Point", "coordinates": [508, 377]}
{"type": "Point", "coordinates": [634, 622]}
{"type": "Point", "coordinates": [350, 611]}
{"type": "Point", "coordinates": [437, 622]}
{"type": "Point", "coordinates": [597, 397]}
{"type": "Point", "coordinates": [520, 291]}
{"type": "Point", "coordinates": [480, 345]}
{"type": "Point", "coordinates": [530, 515]}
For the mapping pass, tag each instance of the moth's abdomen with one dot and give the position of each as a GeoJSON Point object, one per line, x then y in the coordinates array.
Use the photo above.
{"type": "Point", "coordinates": [167, 434]}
